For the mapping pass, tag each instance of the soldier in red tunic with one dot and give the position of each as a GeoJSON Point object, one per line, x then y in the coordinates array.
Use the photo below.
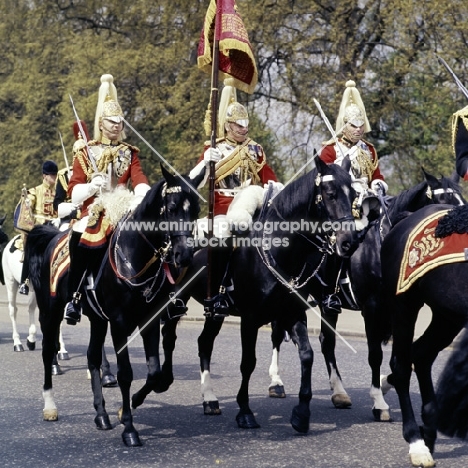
{"type": "Point", "coordinates": [240, 163]}
{"type": "Point", "coordinates": [367, 180]}
{"type": "Point", "coordinates": [460, 141]}
{"type": "Point", "coordinates": [105, 163]}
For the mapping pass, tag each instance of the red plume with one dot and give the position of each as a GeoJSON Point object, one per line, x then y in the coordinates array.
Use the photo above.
{"type": "Point", "coordinates": [76, 129]}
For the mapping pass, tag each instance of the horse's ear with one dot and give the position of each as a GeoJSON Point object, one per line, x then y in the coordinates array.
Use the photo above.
{"type": "Point", "coordinates": [319, 164]}
{"type": "Point", "coordinates": [170, 179]}
{"type": "Point", "coordinates": [346, 164]}
{"type": "Point", "coordinates": [454, 177]}
{"type": "Point", "coordinates": [430, 179]}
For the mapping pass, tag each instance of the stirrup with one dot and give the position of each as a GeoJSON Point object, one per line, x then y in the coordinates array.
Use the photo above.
{"type": "Point", "coordinates": [219, 306]}
{"type": "Point", "coordinates": [72, 312]}
{"type": "Point", "coordinates": [331, 304]}
{"type": "Point", "coordinates": [24, 288]}
{"type": "Point", "coordinates": [176, 308]}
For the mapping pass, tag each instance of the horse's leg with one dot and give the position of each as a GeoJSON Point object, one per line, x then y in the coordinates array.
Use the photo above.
{"type": "Point", "coordinates": [300, 417]}
{"type": "Point", "coordinates": [12, 289]}
{"type": "Point", "coordinates": [439, 334]}
{"type": "Point", "coordinates": [50, 326]}
{"type": "Point", "coordinates": [276, 388]}
{"type": "Point", "coordinates": [107, 377]}
{"type": "Point", "coordinates": [380, 408]}
{"type": "Point", "coordinates": [206, 340]}
{"type": "Point", "coordinates": [159, 379]}
{"type": "Point", "coordinates": [31, 339]}
{"type": "Point", "coordinates": [340, 397]}
{"type": "Point", "coordinates": [405, 315]}
{"type": "Point", "coordinates": [249, 332]}
{"type": "Point", "coordinates": [98, 331]}
{"type": "Point", "coordinates": [130, 435]}
{"type": "Point", "coordinates": [62, 353]}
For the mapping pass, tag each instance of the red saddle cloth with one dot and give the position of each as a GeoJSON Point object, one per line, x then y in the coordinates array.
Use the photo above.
{"type": "Point", "coordinates": [424, 252]}
{"type": "Point", "coordinates": [59, 263]}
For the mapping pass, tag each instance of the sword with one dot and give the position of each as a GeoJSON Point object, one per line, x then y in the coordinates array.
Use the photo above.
{"type": "Point", "coordinates": [455, 77]}
{"type": "Point", "coordinates": [328, 124]}
{"type": "Point", "coordinates": [83, 134]}
{"type": "Point", "coordinates": [64, 153]}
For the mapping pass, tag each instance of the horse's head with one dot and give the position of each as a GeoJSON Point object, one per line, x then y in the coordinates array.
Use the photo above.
{"type": "Point", "coordinates": [446, 190]}
{"type": "Point", "coordinates": [179, 211]}
{"type": "Point", "coordinates": [334, 199]}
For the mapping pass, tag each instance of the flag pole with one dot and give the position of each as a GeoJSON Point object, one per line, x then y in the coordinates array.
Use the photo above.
{"type": "Point", "coordinates": [212, 164]}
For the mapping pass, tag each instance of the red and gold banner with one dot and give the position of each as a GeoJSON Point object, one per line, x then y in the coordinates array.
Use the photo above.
{"type": "Point", "coordinates": [424, 251]}
{"type": "Point", "coordinates": [236, 59]}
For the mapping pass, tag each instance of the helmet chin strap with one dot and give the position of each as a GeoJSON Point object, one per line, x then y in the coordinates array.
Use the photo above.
{"type": "Point", "coordinates": [235, 133]}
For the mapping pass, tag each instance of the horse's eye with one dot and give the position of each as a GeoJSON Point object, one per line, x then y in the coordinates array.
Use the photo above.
{"type": "Point", "coordinates": [171, 207]}
{"type": "Point", "coordinates": [331, 195]}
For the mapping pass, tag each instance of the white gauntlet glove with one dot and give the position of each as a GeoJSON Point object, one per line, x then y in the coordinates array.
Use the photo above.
{"type": "Point", "coordinates": [65, 209]}
{"type": "Point", "coordinates": [379, 185]}
{"type": "Point", "coordinates": [139, 193]}
{"type": "Point", "coordinates": [212, 155]}
{"type": "Point", "coordinates": [98, 181]}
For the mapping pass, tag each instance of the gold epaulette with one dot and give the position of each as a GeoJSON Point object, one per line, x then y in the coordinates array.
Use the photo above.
{"type": "Point", "coordinates": [368, 143]}
{"type": "Point", "coordinates": [328, 142]}
{"type": "Point", "coordinates": [128, 145]}
{"type": "Point", "coordinates": [218, 140]}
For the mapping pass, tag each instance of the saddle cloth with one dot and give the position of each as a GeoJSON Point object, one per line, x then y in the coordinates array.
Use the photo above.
{"type": "Point", "coordinates": [60, 263]}
{"type": "Point", "coordinates": [424, 251]}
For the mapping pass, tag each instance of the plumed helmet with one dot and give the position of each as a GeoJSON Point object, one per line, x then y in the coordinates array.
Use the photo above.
{"type": "Point", "coordinates": [237, 113]}
{"type": "Point", "coordinates": [49, 168]}
{"type": "Point", "coordinates": [108, 106]}
{"type": "Point", "coordinates": [352, 109]}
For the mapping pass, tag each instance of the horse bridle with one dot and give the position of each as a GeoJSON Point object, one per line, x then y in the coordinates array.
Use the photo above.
{"type": "Point", "coordinates": [326, 247]}
{"type": "Point", "coordinates": [159, 254]}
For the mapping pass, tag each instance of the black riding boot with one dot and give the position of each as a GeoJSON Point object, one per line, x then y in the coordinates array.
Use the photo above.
{"type": "Point", "coordinates": [346, 290]}
{"type": "Point", "coordinates": [331, 303]}
{"type": "Point", "coordinates": [220, 304]}
{"type": "Point", "coordinates": [78, 267]}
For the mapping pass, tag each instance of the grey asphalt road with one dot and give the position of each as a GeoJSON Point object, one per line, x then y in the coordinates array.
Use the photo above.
{"type": "Point", "coordinates": [174, 431]}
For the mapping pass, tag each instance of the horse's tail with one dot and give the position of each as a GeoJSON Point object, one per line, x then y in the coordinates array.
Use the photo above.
{"type": "Point", "coordinates": [452, 392]}
{"type": "Point", "coordinates": [37, 242]}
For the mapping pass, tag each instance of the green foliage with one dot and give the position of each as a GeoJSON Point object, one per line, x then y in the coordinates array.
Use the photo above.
{"type": "Point", "coordinates": [51, 49]}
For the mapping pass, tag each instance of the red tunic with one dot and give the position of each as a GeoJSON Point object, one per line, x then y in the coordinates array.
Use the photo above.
{"type": "Point", "coordinates": [328, 155]}
{"type": "Point", "coordinates": [82, 171]}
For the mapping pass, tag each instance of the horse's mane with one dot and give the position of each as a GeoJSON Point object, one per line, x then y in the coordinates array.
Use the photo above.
{"type": "Point", "coordinates": [301, 192]}
{"type": "Point", "coordinates": [405, 200]}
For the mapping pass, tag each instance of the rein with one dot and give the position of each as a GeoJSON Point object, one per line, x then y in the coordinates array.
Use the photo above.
{"type": "Point", "coordinates": [324, 246]}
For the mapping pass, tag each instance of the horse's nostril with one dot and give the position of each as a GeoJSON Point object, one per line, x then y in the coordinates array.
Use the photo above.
{"type": "Point", "coordinates": [346, 246]}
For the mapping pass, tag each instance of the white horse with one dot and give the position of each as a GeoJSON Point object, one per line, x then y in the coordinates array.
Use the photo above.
{"type": "Point", "coordinates": [12, 267]}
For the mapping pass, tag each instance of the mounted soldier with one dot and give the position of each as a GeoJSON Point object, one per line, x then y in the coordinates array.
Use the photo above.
{"type": "Point", "coordinates": [40, 202]}
{"type": "Point", "coordinates": [240, 163]}
{"type": "Point", "coordinates": [100, 166]}
{"type": "Point", "coordinates": [368, 181]}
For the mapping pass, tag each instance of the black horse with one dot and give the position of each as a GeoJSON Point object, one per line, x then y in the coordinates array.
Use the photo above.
{"type": "Point", "coordinates": [366, 279]}
{"type": "Point", "coordinates": [131, 289]}
{"type": "Point", "coordinates": [271, 269]}
{"type": "Point", "coordinates": [443, 288]}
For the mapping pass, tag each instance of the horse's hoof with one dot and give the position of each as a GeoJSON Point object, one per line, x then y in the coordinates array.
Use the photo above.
{"type": "Point", "coordinates": [381, 415]}
{"type": "Point", "coordinates": [423, 460]}
{"type": "Point", "coordinates": [247, 421]}
{"type": "Point", "coordinates": [103, 422]}
{"type": "Point", "coordinates": [18, 348]}
{"type": "Point", "coordinates": [300, 422]}
{"type": "Point", "coordinates": [211, 408]}
{"type": "Point", "coordinates": [131, 439]}
{"type": "Point", "coordinates": [341, 400]}
{"type": "Point", "coordinates": [109, 380]}
{"type": "Point", "coordinates": [276, 391]}
{"type": "Point", "coordinates": [31, 345]}
{"type": "Point", "coordinates": [56, 370]}
{"type": "Point", "coordinates": [137, 400]}
{"type": "Point", "coordinates": [63, 357]}
{"type": "Point", "coordinates": [50, 414]}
